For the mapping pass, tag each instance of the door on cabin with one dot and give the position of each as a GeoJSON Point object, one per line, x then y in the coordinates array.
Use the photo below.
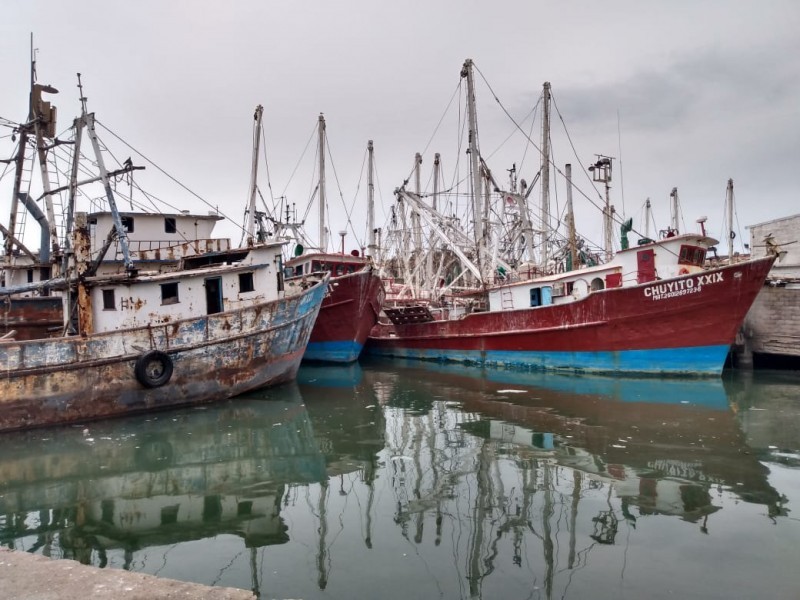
{"type": "Point", "coordinates": [213, 295]}
{"type": "Point", "coordinates": [646, 265]}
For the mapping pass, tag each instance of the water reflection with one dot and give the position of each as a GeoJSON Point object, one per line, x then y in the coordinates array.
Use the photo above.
{"type": "Point", "coordinates": [398, 479]}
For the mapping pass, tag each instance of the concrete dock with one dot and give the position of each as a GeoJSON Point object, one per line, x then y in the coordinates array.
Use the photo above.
{"type": "Point", "coordinates": [26, 576]}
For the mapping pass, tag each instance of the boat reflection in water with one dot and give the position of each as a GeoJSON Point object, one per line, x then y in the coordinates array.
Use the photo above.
{"type": "Point", "coordinates": [398, 479]}
{"type": "Point", "coordinates": [126, 486]}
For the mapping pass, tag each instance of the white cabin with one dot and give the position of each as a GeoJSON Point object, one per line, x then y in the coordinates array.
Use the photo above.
{"type": "Point", "coordinates": [156, 241]}
{"type": "Point", "coordinates": [206, 284]}
{"type": "Point", "coordinates": [663, 259]}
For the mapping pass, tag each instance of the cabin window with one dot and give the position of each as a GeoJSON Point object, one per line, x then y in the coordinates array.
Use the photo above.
{"type": "Point", "coordinates": [536, 297]}
{"type": "Point", "coordinates": [169, 225]}
{"type": "Point", "coordinates": [169, 293]}
{"type": "Point", "coordinates": [30, 275]}
{"type": "Point", "coordinates": [699, 257]}
{"type": "Point", "coordinates": [246, 283]}
{"type": "Point", "coordinates": [127, 224]}
{"type": "Point", "coordinates": [315, 266]}
{"type": "Point", "coordinates": [109, 302]}
{"type": "Point", "coordinates": [280, 273]}
{"type": "Point", "coordinates": [298, 270]}
{"type": "Point", "coordinates": [692, 255]}
{"type": "Point", "coordinates": [169, 514]}
{"type": "Point", "coordinates": [597, 284]}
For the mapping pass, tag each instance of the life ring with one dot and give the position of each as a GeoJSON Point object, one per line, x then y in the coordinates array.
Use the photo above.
{"type": "Point", "coordinates": [683, 271]}
{"type": "Point", "coordinates": [153, 369]}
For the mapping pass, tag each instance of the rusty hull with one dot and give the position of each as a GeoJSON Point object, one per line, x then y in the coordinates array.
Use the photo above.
{"type": "Point", "coordinates": [79, 378]}
{"type": "Point", "coordinates": [31, 318]}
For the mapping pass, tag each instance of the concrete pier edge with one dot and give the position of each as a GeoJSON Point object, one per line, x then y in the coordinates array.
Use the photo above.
{"type": "Point", "coordinates": [25, 576]}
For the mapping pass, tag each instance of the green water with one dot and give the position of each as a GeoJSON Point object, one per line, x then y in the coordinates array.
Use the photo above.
{"type": "Point", "coordinates": [413, 480]}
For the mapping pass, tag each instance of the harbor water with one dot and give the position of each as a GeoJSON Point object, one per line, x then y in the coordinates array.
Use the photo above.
{"type": "Point", "coordinates": [397, 480]}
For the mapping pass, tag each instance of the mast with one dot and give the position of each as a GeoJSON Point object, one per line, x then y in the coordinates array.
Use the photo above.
{"type": "Point", "coordinates": [435, 199]}
{"type": "Point", "coordinates": [87, 120]}
{"type": "Point", "coordinates": [18, 172]}
{"type": "Point", "coordinates": [647, 209]}
{"type": "Point", "coordinates": [601, 173]}
{"type": "Point", "coordinates": [415, 222]}
{"type": "Point", "coordinates": [419, 278]}
{"type": "Point", "coordinates": [371, 247]}
{"type": "Point", "coordinates": [251, 205]}
{"type": "Point", "coordinates": [607, 225]}
{"type": "Point", "coordinates": [673, 195]}
{"type": "Point", "coordinates": [73, 185]}
{"type": "Point", "coordinates": [729, 201]}
{"type": "Point", "coordinates": [433, 277]}
{"type": "Point", "coordinates": [19, 169]}
{"type": "Point", "coordinates": [323, 231]}
{"type": "Point", "coordinates": [474, 157]}
{"type": "Point", "coordinates": [572, 239]}
{"type": "Point", "coordinates": [545, 173]}
{"type": "Point", "coordinates": [404, 240]}
{"type": "Point", "coordinates": [44, 123]}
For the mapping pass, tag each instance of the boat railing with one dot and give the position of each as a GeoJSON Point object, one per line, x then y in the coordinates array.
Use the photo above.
{"type": "Point", "coordinates": [170, 249]}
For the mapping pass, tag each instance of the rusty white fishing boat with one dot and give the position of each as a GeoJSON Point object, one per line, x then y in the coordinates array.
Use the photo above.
{"type": "Point", "coordinates": [212, 326]}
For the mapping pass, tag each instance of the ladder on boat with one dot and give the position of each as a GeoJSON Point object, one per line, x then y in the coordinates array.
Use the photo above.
{"type": "Point", "coordinates": [507, 299]}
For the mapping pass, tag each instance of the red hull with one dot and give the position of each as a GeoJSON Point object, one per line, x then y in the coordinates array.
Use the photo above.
{"type": "Point", "coordinates": [701, 311]}
{"type": "Point", "coordinates": [346, 317]}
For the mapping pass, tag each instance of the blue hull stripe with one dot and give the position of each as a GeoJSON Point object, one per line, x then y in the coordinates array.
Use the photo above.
{"type": "Point", "coordinates": [340, 352]}
{"type": "Point", "coordinates": [699, 360]}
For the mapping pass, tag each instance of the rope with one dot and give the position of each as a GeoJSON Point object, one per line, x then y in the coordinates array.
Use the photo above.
{"type": "Point", "coordinates": [297, 165]}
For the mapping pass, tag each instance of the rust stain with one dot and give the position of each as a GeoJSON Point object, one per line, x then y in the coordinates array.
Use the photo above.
{"type": "Point", "coordinates": [78, 379]}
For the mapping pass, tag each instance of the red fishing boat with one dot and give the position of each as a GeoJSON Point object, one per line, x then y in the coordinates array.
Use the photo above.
{"type": "Point", "coordinates": [350, 309]}
{"type": "Point", "coordinates": [355, 293]}
{"type": "Point", "coordinates": [651, 309]}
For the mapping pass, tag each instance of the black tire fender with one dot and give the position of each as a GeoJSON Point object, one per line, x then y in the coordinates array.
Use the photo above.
{"type": "Point", "coordinates": [153, 369]}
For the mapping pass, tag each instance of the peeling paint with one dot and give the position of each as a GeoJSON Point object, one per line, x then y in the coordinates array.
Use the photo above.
{"type": "Point", "coordinates": [214, 357]}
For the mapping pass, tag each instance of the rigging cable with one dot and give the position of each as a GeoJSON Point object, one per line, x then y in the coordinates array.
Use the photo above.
{"type": "Point", "coordinates": [203, 200]}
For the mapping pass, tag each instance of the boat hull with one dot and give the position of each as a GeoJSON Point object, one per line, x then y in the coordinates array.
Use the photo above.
{"type": "Point", "coordinates": [31, 318]}
{"type": "Point", "coordinates": [680, 326]}
{"type": "Point", "coordinates": [214, 357]}
{"type": "Point", "coordinates": [346, 317]}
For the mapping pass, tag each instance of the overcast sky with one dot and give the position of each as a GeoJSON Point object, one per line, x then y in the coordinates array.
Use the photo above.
{"type": "Point", "coordinates": [686, 93]}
